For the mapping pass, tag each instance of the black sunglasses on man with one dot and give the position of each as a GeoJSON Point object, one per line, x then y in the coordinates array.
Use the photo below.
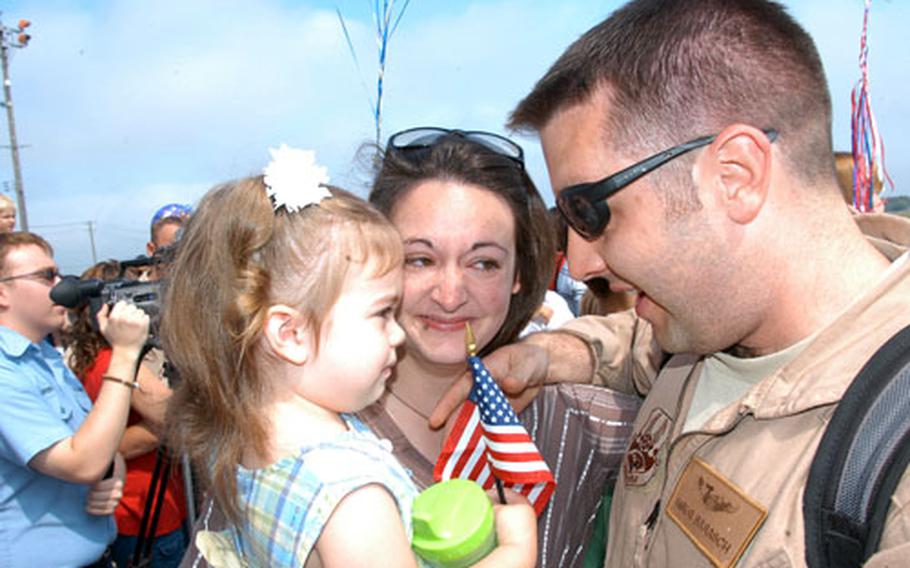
{"type": "Point", "coordinates": [584, 205]}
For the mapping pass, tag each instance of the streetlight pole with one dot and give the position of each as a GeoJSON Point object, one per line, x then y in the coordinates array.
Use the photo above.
{"type": "Point", "coordinates": [13, 37]}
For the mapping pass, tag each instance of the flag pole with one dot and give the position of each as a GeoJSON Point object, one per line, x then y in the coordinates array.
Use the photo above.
{"type": "Point", "coordinates": [471, 345]}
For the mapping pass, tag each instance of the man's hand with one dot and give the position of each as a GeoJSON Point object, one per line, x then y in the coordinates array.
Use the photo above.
{"type": "Point", "coordinates": [519, 368]}
{"type": "Point", "coordinates": [125, 327]}
{"type": "Point", "coordinates": [84, 456]}
{"type": "Point", "coordinates": [104, 495]}
{"type": "Point", "coordinates": [522, 368]}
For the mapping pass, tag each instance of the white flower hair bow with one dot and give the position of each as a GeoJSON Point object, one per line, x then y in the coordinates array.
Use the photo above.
{"type": "Point", "coordinates": [294, 180]}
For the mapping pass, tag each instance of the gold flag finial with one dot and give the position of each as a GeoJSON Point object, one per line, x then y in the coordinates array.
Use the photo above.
{"type": "Point", "coordinates": [469, 342]}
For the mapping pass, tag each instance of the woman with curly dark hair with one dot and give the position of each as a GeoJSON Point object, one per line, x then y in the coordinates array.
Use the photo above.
{"type": "Point", "coordinates": [88, 357]}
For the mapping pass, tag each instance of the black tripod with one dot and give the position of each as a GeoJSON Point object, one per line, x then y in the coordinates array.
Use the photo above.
{"type": "Point", "coordinates": [154, 498]}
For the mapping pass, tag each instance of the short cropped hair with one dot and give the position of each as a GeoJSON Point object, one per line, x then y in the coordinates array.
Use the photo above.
{"type": "Point", "coordinates": [679, 69]}
{"type": "Point", "coordinates": [10, 241]}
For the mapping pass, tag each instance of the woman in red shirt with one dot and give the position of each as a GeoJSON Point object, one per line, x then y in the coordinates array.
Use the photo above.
{"type": "Point", "coordinates": [89, 356]}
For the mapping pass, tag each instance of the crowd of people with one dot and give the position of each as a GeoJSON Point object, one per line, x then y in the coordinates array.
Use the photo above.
{"type": "Point", "coordinates": [675, 350]}
{"type": "Point", "coordinates": [82, 421]}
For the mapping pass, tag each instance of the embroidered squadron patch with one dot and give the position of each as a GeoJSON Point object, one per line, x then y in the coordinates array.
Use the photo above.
{"type": "Point", "coordinates": [716, 515]}
{"type": "Point", "coordinates": [642, 458]}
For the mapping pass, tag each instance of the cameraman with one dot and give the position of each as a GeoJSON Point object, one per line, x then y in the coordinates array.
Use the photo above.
{"type": "Point", "coordinates": [55, 447]}
{"type": "Point", "coordinates": [88, 357]}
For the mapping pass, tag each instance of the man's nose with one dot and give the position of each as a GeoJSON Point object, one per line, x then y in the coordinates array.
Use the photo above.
{"type": "Point", "coordinates": [584, 258]}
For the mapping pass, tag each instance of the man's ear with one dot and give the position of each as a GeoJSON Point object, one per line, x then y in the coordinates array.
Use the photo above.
{"type": "Point", "coordinates": [4, 297]}
{"type": "Point", "coordinates": [740, 166]}
{"type": "Point", "coordinates": [149, 248]}
{"type": "Point", "coordinates": [288, 334]}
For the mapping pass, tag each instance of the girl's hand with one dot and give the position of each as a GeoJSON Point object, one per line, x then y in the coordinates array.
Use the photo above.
{"type": "Point", "coordinates": [512, 497]}
{"type": "Point", "coordinates": [516, 534]}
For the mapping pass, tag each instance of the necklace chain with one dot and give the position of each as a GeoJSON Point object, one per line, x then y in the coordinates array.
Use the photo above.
{"type": "Point", "coordinates": [408, 405]}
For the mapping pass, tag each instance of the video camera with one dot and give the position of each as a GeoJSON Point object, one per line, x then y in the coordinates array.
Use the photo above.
{"type": "Point", "coordinates": [73, 292]}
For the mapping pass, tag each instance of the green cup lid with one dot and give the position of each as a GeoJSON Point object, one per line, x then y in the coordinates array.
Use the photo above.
{"type": "Point", "coordinates": [452, 520]}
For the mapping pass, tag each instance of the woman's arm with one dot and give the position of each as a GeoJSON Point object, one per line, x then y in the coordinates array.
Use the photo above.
{"type": "Point", "coordinates": [138, 439]}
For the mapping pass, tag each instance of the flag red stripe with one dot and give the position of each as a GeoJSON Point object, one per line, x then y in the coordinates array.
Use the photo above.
{"type": "Point", "coordinates": [451, 442]}
{"type": "Point", "coordinates": [478, 468]}
{"type": "Point", "coordinates": [499, 439]}
{"type": "Point", "coordinates": [474, 446]}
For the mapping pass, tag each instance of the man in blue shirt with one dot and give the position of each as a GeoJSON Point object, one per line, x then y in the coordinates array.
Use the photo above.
{"type": "Point", "coordinates": [55, 448]}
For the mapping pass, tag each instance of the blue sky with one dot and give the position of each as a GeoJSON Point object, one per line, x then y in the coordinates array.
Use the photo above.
{"type": "Point", "coordinates": [126, 105]}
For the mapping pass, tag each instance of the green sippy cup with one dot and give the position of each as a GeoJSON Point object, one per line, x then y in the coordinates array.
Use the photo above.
{"type": "Point", "coordinates": [453, 524]}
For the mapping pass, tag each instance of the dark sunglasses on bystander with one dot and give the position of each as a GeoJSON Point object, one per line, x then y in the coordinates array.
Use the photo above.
{"type": "Point", "coordinates": [47, 275]}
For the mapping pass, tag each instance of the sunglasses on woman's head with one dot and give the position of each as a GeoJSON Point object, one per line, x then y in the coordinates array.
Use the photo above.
{"type": "Point", "coordinates": [584, 205]}
{"type": "Point", "coordinates": [425, 137]}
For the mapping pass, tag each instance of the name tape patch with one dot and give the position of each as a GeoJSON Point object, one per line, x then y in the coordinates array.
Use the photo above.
{"type": "Point", "coordinates": [716, 515]}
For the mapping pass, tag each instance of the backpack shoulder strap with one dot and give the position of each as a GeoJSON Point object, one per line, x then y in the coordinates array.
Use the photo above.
{"type": "Point", "coordinates": [862, 455]}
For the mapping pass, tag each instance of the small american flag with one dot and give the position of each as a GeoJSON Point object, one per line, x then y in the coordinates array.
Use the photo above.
{"type": "Point", "coordinates": [489, 442]}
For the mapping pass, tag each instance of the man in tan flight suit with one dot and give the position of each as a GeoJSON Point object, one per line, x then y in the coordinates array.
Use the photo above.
{"type": "Point", "coordinates": [747, 266]}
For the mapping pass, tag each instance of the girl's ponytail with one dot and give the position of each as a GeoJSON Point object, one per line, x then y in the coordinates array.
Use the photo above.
{"type": "Point", "coordinates": [217, 300]}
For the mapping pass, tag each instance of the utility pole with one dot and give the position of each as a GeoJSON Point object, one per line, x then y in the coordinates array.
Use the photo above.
{"type": "Point", "coordinates": [91, 238]}
{"type": "Point", "coordinates": [13, 37]}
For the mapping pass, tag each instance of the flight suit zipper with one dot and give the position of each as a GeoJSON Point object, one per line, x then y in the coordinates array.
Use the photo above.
{"type": "Point", "coordinates": [649, 527]}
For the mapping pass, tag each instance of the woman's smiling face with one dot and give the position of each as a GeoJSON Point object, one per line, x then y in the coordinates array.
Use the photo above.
{"type": "Point", "coordinates": [459, 267]}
